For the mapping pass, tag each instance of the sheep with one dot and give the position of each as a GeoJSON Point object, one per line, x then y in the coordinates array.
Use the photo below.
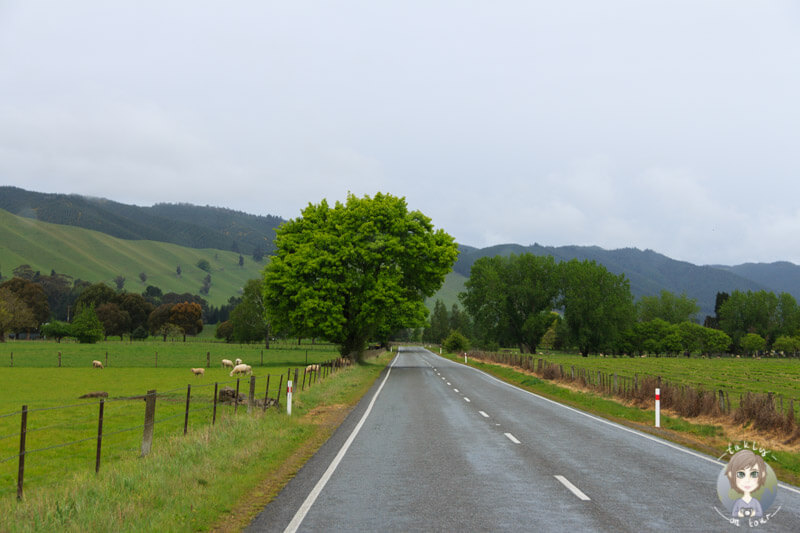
{"type": "Point", "coordinates": [241, 369]}
{"type": "Point", "coordinates": [227, 363]}
{"type": "Point", "coordinates": [238, 361]}
{"type": "Point", "coordinates": [97, 364]}
{"type": "Point", "coordinates": [199, 371]}
{"type": "Point", "coordinates": [312, 368]}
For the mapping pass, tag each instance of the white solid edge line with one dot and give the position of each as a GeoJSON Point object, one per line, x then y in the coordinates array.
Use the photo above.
{"type": "Point", "coordinates": [575, 490]}
{"type": "Point", "coordinates": [512, 438]}
{"type": "Point", "coordinates": [315, 492]}
{"type": "Point", "coordinates": [607, 422]}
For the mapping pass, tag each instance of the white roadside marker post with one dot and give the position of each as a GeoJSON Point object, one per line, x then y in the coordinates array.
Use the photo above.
{"type": "Point", "coordinates": [465, 358]}
{"type": "Point", "coordinates": [658, 408]}
{"type": "Point", "coordinates": [288, 397]}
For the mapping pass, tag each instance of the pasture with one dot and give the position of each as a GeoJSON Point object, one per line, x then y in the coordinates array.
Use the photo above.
{"type": "Point", "coordinates": [780, 376]}
{"type": "Point", "coordinates": [62, 429]}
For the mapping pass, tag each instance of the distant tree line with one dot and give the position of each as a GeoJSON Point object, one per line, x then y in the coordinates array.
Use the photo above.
{"type": "Point", "coordinates": [529, 302]}
{"type": "Point", "coordinates": [58, 306]}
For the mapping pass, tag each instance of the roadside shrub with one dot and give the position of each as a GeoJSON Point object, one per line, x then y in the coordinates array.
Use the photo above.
{"type": "Point", "coordinates": [456, 342]}
{"type": "Point", "coordinates": [760, 409]}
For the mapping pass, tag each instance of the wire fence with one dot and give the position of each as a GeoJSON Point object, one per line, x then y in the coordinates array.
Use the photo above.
{"type": "Point", "coordinates": [106, 429]}
{"type": "Point", "coordinates": [763, 411]}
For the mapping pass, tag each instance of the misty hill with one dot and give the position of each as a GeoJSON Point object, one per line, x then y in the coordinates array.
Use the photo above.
{"type": "Point", "coordinates": [182, 224]}
{"type": "Point", "coordinates": [206, 228]}
{"type": "Point", "coordinates": [650, 272]}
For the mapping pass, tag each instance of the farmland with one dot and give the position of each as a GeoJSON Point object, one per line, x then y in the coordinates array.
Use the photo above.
{"type": "Point", "coordinates": [62, 429]}
{"type": "Point", "coordinates": [780, 376]}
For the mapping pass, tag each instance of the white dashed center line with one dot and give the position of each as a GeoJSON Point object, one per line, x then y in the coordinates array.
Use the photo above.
{"type": "Point", "coordinates": [575, 490]}
{"type": "Point", "coordinates": [512, 438]}
{"type": "Point", "coordinates": [455, 390]}
{"type": "Point", "coordinates": [466, 399]}
{"type": "Point", "coordinates": [484, 415]}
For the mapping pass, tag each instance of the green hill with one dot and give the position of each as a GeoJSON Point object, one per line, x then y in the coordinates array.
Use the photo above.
{"type": "Point", "coordinates": [183, 224]}
{"type": "Point", "coordinates": [95, 257]}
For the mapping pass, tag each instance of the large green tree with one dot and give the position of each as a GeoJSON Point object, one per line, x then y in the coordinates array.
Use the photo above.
{"type": "Point", "coordinates": [356, 271]}
{"type": "Point", "coordinates": [510, 299]}
{"type": "Point", "coordinates": [249, 318]}
{"type": "Point", "coordinates": [598, 306]}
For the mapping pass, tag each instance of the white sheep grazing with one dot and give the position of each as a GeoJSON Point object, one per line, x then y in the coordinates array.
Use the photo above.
{"type": "Point", "coordinates": [312, 368]}
{"type": "Point", "coordinates": [97, 364]}
{"type": "Point", "coordinates": [227, 363]}
{"type": "Point", "coordinates": [241, 369]}
{"type": "Point", "coordinates": [238, 361]}
{"type": "Point", "coordinates": [199, 371]}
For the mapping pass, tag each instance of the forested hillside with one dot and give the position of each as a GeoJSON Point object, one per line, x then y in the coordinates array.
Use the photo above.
{"type": "Point", "coordinates": [182, 224]}
{"type": "Point", "coordinates": [97, 257]}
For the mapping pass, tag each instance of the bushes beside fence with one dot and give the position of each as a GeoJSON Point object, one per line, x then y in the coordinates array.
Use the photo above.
{"type": "Point", "coordinates": [763, 412]}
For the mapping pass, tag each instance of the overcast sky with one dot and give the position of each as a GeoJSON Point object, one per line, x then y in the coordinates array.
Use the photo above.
{"type": "Point", "coordinates": [669, 125]}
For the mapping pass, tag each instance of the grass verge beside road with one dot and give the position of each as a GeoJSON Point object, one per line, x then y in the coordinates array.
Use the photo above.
{"type": "Point", "coordinates": [212, 479]}
{"type": "Point", "coordinates": [706, 436]}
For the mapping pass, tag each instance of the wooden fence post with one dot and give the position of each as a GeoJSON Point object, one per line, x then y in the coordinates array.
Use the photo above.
{"type": "Point", "coordinates": [296, 371]}
{"type": "Point", "coordinates": [214, 415]}
{"type": "Point", "coordinates": [149, 421]}
{"type": "Point", "coordinates": [251, 397]}
{"type": "Point", "coordinates": [208, 359]}
{"type": "Point", "coordinates": [266, 395]}
{"type": "Point", "coordinates": [236, 398]}
{"type": "Point", "coordinates": [303, 386]}
{"type": "Point", "coordinates": [99, 436]}
{"type": "Point", "coordinates": [280, 386]}
{"type": "Point", "coordinates": [186, 416]}
{"type": "Point", "coordinates": [106, 358]}
{"type": "Point", "coordinates": [22, 432]}
{"type": "Point", "coordinates": [59, 359]}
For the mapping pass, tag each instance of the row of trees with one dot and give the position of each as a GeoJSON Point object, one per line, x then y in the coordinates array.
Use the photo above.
{"type": "Point", "coordinates": [526, 300]}
{"type": "Point", "coordinates": [511, 301]}
{"type": "Point", "coordinates": [25, 307]}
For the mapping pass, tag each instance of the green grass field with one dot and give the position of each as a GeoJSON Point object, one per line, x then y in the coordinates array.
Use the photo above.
{"type": "Point", "coordinates": [211, 479]}
{"type": "Point", "coordinates": [62, 429]}
{"type": "Point", "coordinates": [736, 376]}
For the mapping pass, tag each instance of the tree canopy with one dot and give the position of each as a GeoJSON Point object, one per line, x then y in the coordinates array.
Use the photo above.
{"type": "Point", "coordinates": [356, 271]}
{"type": "Point", "coordinates": [511, 299]}
{"type": "Point", "coordinates": [598, 306]}
{"type": "Point", "coordinates": [668, 307]}
{"type": "Point", "coordinates": [248, 319]}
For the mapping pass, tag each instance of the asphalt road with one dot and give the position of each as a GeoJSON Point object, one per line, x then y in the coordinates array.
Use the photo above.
{"type": "Point", "coordinates": [439, 446]}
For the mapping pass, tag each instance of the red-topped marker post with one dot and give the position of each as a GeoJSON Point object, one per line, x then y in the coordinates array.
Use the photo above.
{"type": "Point", "coordinates": [658, 408]}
